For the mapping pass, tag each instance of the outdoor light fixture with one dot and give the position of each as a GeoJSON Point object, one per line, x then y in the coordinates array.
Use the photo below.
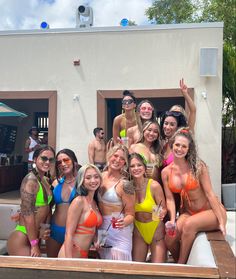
{"type": "Point", "coordinates": [208, 62]}
{"type": "Point", "coordinates": [84, 16]}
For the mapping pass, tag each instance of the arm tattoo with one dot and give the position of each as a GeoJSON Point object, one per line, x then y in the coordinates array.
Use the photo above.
{"type": "Point", "coordinates": [28, 197]}
{"type": "Point", "coordinates": [128, 187]}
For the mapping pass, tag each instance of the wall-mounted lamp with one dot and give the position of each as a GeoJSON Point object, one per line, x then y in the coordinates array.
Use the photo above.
{"type": "Point", "coordinates": [76, 97]}
{"type": "Point", "coordinates": [208, 62]}
{"type": "Point", "coordinates": [76, 62]}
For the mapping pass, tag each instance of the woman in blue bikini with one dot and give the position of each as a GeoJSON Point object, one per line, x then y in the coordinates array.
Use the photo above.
{"type": "Point", "coordinates": [63, 193]}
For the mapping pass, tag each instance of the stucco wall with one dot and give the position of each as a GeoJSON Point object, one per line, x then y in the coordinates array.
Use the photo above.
{"type": "Point", "coordinates": [152, 57]}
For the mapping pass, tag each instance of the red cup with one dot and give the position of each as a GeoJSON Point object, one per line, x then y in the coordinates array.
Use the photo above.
{"type": "Point", "coordinates": [170, 229]}
{"type": "Point", "coordinates": [113, 222]}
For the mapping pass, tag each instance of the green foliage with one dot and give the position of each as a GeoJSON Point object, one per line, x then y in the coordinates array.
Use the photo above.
{"type": "Point", "coordinates": [221, 10]}
{"type": "Point", "coordinates": [132, 23]}
{"type": "Point", "coordinates": [171, 11]}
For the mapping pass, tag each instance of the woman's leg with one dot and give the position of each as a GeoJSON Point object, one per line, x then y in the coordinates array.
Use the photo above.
{"type": "Point", "coordinates": [140, 248]}
{"type": "Point", "coordinates": [18, 244]}
{"type": "Point", "coordinates": [202, 221]}
{"type": "Point", "coordinates": [52, 247]}
{"type": "Point", "coordinates": [158, 246]}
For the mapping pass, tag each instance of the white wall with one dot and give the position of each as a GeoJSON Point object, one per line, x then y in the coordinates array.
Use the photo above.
{"type": "Point", "coordinates": [150, 57]}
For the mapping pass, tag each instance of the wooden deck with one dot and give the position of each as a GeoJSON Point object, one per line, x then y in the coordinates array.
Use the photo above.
{"type": "Point", "coordinates": [27, 268]}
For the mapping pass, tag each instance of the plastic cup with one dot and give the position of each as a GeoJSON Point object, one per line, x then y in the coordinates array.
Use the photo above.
{"type": "Point", "coordinates": [15, 214]}
{"type": "Point", "coordinates": [102, 236]}
{"type": "Point", "coordinates": [150, 169]}
{"type": "Point", "coordinates": [170, 229]}
{"type": "Point", "coordinates": [114, 219]}
{"type": "Point", "coordinates": [156, 212]}
{"type": "Point", "coordinates": [125, 141]}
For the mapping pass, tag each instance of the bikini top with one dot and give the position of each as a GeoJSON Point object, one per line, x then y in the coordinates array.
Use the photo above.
{"type": "Point", "coordinates": [110, 196]}
{"type": "Point", "coordinates": [40, 197]}
{"type": "Point", "coordinates": [93, 220]}
{"type": "Point", "coordinates": [57, 191]}
{"type": "Point", "coordinates": [191, 184]}
{"type": "Point", "coordinates": [147, 204]}
{"type": "Point", "coordinates": [123, 133]}
{"type": "Point", "coordinates": [168, 160]}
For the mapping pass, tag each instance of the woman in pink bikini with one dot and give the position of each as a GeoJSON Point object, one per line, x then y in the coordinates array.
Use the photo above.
{"type": "Point", "coordinates": [83, 217]}
{"type": "Point", "coordinates": [200, 210]}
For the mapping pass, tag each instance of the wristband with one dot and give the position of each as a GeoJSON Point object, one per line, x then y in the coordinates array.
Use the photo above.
{"type": "Point", "coordinates": [34, 242]}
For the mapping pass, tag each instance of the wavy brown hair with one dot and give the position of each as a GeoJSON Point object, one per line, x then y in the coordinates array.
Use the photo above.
{"type": "Point", "coordinates": [192, 156]}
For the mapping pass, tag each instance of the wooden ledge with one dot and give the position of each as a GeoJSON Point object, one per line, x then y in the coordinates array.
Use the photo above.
{"type": "Point", "coordinates": [58, 268]}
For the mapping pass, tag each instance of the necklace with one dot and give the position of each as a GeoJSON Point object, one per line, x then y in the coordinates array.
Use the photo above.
{"type": "Point", "coordinates": [69, 181]}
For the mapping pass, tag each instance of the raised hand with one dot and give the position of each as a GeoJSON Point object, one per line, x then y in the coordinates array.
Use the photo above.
{"type": "Point", "coordinates": [183, 86]}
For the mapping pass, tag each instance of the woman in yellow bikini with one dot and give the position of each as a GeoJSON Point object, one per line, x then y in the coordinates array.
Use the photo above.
{"type": "Point", "coordinates": [148, 232]}
{"type": "Point", "coordinates": [83, 217]}
{"type": "Point", "coordinates": [36, 196]}
{"type": "Point", "coordinates": [200, 209]}
{"type": "Point", "coordinates": [124, 121]}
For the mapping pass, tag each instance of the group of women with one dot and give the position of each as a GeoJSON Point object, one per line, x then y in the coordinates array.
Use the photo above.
{"type": "Point", "coordinates": [153, 180]}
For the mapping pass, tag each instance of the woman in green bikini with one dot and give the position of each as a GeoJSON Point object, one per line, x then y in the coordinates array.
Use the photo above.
{"type": "Point", "coordinates": [125, 120]}
{"type": "Point", "coordinates": [149, 229]}
{"type": "Point", "coordinates": [36, 196]}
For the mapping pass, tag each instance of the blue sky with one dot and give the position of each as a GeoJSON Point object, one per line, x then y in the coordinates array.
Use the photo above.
{"type": "Point", "coordinates": [28, 14]}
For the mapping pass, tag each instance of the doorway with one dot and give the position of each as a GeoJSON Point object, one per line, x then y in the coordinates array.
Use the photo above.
{"type": "Point", "coordinates": [109, 102]}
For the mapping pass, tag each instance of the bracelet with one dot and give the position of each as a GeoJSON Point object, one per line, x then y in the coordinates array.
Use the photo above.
{"type": "Point", "coordinates": [34, 242]}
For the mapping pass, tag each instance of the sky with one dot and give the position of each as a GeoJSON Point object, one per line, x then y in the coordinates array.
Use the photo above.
{"type": "Point", "coordinates": [28, 14]}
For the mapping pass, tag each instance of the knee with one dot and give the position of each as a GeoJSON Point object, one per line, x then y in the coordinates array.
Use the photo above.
{"type": "Point", "coordinates": [188, 228]}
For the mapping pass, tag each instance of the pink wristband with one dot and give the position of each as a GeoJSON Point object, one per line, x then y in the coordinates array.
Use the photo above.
{"type": "Point", "coordinates": [34, 242]}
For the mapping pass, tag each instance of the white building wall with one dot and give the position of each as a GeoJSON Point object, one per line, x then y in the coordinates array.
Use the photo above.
{"type": "Point", "coordinates": [150, 57]}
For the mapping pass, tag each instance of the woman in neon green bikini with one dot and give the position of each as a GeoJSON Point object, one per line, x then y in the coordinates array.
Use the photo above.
{"type": "Point", "coordinates": [148, 231]}
{"type": "Point", "coordinates": [125, 120]}
{"type": "Point", "coordinates": [36, 196]}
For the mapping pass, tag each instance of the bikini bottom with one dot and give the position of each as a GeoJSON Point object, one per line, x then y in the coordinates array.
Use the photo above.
{"type": "Point", "coordinates": [83, 253]}
{"type": "Point", "coordinates": [21, 228]}
{"type": "Point", "coordinates": [58, 233]}
{"type": "Point", "coordinates": [147, 230]}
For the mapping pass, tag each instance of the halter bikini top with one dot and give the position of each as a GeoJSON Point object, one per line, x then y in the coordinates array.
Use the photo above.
{"type": "Point", "coordinates": [57, 191]}
{"type": "Point", "coordinates": [40, 197]}
{"type": "Point", "coordinates": [110, 196]}
{"type": "Point", "coordinates": [191, 184]}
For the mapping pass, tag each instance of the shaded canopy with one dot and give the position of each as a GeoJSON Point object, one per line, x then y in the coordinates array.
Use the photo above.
{"type": "Point", "coordinates": [7, 111]}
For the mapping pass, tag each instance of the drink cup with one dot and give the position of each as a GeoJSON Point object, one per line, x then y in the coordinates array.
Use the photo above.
{"type": "Point", "coordinates": [170, 229]}
{"type": "Point", "coordinates": [15, 214]}
{"type": "Point", "coordinates": [44, 231]}
{"type": "Point", "coordinates": [102, 236]}
{"type": "Point", "coordinates": [150, 169]}
{"type": "Point", "coordinates": [156, 212]}
{"type": "Point", "coordinates": [114, 218]}
{"type": "Point", "coordinates": [124, 141]}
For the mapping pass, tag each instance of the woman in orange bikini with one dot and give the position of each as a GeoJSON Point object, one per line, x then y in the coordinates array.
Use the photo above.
{"type": "Point", "coordinates": [200, 209]}
{"type": "Point", "coordinates": [83, 216]}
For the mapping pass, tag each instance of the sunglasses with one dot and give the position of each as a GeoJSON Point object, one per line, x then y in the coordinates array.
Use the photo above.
{"type": "Point", "coordinates": [146, 108]}
{"type": "Point", "coordinates": [45, 159]}
{"type": "Point", "coordinates": [173, 113]}
{"type": "Point", "coordinates": [127, 102]}
{"type": "Point", "coordinates": [66, 161]}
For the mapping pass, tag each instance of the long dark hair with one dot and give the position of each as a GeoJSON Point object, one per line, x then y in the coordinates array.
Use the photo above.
{"type": "Point", "coordinates": [73, 158]}
{"type": "Point", "coordinates": [179, 117]}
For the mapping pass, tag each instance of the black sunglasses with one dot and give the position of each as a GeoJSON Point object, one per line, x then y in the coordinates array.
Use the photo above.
{"type": "Point", "coordinates": [45, 159]}
{"type": "Point", "coordinates": [173, 113]}
{"type": "Point", "coordinates": [127, 102]}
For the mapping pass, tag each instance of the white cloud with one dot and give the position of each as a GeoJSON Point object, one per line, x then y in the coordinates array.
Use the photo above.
{"type": "Point", "coordinates": [28, 14]}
